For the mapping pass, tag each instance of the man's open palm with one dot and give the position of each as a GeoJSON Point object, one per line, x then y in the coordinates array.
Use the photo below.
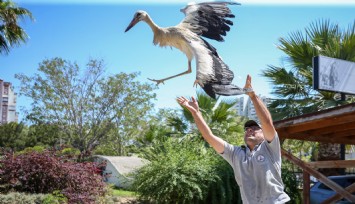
{"type": "Point", "coordinates": [192, 105]}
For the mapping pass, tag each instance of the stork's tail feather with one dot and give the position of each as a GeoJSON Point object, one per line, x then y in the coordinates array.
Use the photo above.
{"type": "Point", "coordinates": [209, 90]}
{"type": "Point", "coordinates": [224, 90]}
{"type": "Point", "coordinates": [227, 90]}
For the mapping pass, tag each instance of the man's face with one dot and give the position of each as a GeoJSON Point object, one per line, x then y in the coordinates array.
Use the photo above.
{"type": "Point", "coordinates": [253, 135]}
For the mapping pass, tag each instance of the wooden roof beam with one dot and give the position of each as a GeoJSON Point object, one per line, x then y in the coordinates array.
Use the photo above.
{"type": "Point", "coordinates": [350, 139]}
{"type": "Point", "coordinates": [294, 127]}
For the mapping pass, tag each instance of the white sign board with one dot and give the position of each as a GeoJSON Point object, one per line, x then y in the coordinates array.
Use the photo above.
{"type": "Point", "coordinates": [330, 74]}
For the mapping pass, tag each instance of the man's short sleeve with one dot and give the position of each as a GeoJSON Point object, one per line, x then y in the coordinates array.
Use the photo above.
{"type": "Point", "coordinates": [228, 153]}
{"type": "Point", "coordinates": [275, 149]}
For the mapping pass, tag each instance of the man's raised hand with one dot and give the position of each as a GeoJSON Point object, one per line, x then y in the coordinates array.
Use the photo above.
{"type": "Point", "coordinates": [192, 105]}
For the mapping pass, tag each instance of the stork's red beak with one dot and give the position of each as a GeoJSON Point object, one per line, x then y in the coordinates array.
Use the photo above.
{"type": "Point", "coordinates": [133, 23]}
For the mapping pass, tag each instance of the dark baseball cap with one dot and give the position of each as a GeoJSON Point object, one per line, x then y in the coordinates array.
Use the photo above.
{"type": "Point", "coordinates": [251, 123]}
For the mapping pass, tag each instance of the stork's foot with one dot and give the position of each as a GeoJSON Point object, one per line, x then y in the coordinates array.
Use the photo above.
{"type": "Point", "coordinates": [158, 81]}
{"type": "Point", "coordinates": [197, 82]}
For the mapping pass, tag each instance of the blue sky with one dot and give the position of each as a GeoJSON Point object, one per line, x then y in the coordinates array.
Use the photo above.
{"type": "Point", "coordinates": [78, 30]}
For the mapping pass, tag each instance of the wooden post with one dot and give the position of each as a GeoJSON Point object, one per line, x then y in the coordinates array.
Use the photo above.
{"type": "Point", "coordinates": [306, 187]}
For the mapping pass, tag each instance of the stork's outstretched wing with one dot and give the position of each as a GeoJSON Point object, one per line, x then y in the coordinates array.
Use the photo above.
{"type": "Point", "coordinates": [208, 19]}
{"type": "Point", "coordinates": [212, 72]}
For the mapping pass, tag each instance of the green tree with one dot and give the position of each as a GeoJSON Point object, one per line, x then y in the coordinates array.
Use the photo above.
{"type": "Point", "coordinates": [121, 140]}
{"type": "Point", "coordinates": [159, 128]}
{"type": "Point", "coordinates": [11, 34]}
{"type": "Point", "coordinates": [18, 136]}
{"type": "Point", "coordinates": [143, 133]}
{"type": "Point", "coordinates": [292, 83]}
{"type": "Point", "coordinates": [12, 136]}
{"type": "Point", "coordinates": [86, 105]}
{"type": "Point", "coordinates": [44, 134]}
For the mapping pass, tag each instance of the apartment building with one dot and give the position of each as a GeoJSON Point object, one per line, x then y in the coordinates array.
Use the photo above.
{"type": "Point", "coordinates": [7, 103]}
{"type": "Point", "coordinates": [246, 108]}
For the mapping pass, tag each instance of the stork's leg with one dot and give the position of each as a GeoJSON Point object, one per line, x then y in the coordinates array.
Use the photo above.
{"type": "Point", "coordinates": [167, 78]}
{"type": "Point", "coordinates": [197, 82]}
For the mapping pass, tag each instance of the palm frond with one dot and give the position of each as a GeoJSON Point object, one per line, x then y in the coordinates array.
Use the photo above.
{"type": "Point", "coordinates": [11, 33]}
{"type": "Point", "coordinates": [321, 32]}
{"type": "Point", "coordinates": [178, 124]}
{"type": "Point", "coordinates": [285, 84]}
{"type": "Point", "coordinates": [222, 111]}
{"type": "Point", "coordinates": [348, 44]}
{"type": "Point", "coordinates": [298, 49]}
{"type": "Point", "coordinates": [292, 84]}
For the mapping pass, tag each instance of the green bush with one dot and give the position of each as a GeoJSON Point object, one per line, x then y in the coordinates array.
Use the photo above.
{"type": "Point", "coordinates": [23, 198]}
{"type": "Point", "coordinates": [290, 181]}
{"type": "Point", "coordinates": [185, 171]}
{"type": "Point", "coordinates": [70, 151]}
{"type": "Point", "coordinates": [38, 149]}
{"type": "Point", "coordinates": [226, 189]}
{"type": "Point", "coordinates": [55, 197]}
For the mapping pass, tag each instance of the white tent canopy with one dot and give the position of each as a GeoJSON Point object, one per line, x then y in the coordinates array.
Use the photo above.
{"type": "Point", "coordinates": [119, 169]}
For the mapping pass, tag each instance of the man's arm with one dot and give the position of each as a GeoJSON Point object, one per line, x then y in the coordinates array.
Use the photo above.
{"type": "Point", "coordinates": [262, 112]}
{"type": "Point", "coordinates": [216, 142]}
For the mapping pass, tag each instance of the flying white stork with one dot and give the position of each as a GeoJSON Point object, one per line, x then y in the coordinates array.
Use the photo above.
{"type": "Point", "coordinates": [208, 20]}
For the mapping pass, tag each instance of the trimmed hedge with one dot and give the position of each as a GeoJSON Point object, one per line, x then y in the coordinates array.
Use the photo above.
{"type": "Point", "coordinates": [47, 172]}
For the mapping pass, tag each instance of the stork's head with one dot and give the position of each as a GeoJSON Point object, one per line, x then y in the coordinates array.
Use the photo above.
{"type": "Point", "coordinates": [138, 16]}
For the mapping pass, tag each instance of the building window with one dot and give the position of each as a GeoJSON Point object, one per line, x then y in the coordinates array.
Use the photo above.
{"type": "Point", "coordinates": [6, 90]}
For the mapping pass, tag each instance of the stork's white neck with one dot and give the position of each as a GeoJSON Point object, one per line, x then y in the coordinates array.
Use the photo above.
{"type": "Point", "coordinates": [151, 24]}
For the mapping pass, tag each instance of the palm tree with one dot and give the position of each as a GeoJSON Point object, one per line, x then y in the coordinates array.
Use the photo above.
{"type": "Point", "coordinates": [219, 115]}
{"type": "Point", "coordinates": [292, 83]}
{"type": "Point", "coordinates": [11, 34]}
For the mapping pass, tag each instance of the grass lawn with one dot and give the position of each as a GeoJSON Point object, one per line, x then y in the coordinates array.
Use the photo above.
{"type": "Point", "coordinates": [123, 193]}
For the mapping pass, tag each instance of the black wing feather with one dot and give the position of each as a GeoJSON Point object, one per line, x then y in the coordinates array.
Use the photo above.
{"type": "Point", "coordinates": [221, 83]}
{"type": "Point", "coordinates": [209, 19]}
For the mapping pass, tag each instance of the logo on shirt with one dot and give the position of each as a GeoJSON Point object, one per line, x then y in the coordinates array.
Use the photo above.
{"type": "Point", "coordinates": [260, 158]}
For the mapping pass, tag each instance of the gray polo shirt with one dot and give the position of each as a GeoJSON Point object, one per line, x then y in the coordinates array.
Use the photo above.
{"type": "Point", "coordinates": [258, 172]}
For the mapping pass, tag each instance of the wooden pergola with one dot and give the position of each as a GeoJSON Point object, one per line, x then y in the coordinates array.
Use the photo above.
{"type": "Point", "coordinates": [335, 125]}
